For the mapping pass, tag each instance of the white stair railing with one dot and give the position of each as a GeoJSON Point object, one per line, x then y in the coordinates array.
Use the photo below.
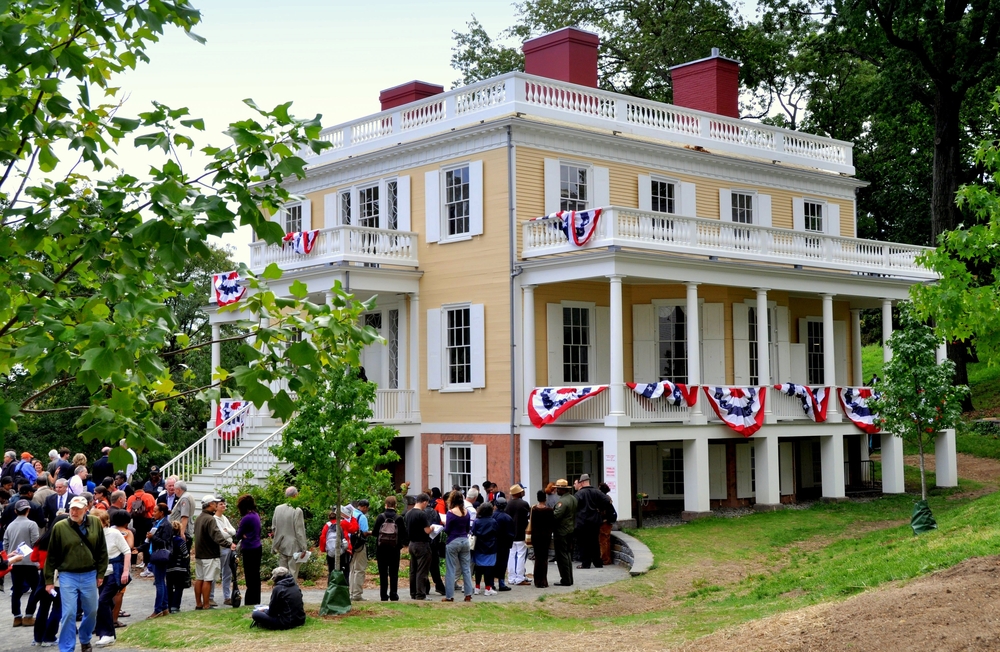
{"type": "Point", "coordinates": [211, 447]}
{"type": "Point", "coordinates": [259, 461]}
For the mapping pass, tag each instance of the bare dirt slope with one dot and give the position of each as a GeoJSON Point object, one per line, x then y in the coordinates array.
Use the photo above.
{"type": "Point", "coordinates": [954, 609]}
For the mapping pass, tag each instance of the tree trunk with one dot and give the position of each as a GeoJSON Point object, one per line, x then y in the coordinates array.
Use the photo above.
{"type": "Point", "coordinates": [337, 527]}
{"type": "Point", "coordinates": [958, 352]}
{"type": "Point", "coordinates": [947, 166]}
{"type": "Point", "coordinates": [920, 447]}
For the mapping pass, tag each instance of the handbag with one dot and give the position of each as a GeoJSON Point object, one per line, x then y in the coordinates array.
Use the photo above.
{"type": "Point", "coordinates": [527, 531]}
{"type": "Point", "coordinates": [161, 556]}
{"type": "Point", "coordinates": [235, 597]}
{"type": "Point", "coordinates": [472, 541]}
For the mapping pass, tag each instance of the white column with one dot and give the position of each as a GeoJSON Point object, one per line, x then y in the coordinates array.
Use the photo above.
{"type": "Point", "coordinates": [414, 464]}
{"type": "Point", "coordinates": [942, 353]}
{"type": "Point", "coordinates": [858, 377]}
{"type": "Point", "coordinates": [768, 487]}
{"type": "Point", "coordinates": [617, 414]}
{"type": "Point", "coordinates": [528, 340]}
{"type": "Point", "coordinates": [402, 344]}
{"type": "Point", "coordinates": [531, 463]}
{"type": "Point", "coordinates": [830, 365]}
{"type": "Point", "coordinates": [414, 319]}
{"type": "Point", "coordinates": [764, 349]}
{"type": "Point", "coordinates": [832, 459]}
{"type": "Point", "coordinates": [216, 347]}
{"type": "Point", "coordinates": [886, 329]}
{"type": "Point", "coordinates": [892, 464]}
{"type": "Point", "coordinates": [694, 354]}
{"type": "Point", "coordinates": [945, 459]}
{"type": "Point", "coordinates": [696, 496]}
{"type": "Point", "coordinates": [617, 472]}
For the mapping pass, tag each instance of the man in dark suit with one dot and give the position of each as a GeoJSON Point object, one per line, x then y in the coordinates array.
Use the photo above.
{"type": "Point", "coordinates": [59, 501]}
{"type": "Point", "coordinates": [103, 468]}
{"type": "Point", "coordinates": [35, 513]}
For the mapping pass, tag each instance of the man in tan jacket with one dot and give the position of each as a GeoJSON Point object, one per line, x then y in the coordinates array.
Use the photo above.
{"type": "Point", "coordinates": [289, 531]}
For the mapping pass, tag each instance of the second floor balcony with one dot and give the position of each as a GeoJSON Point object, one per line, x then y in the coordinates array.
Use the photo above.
{"type": "Point", "coordinates": [664, 232]}
{"type": "Point", "coordinates": [345, 243]}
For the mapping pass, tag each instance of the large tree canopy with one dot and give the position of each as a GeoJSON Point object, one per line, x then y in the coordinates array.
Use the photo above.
{"type": "Point", "coordinates": [90, 253]}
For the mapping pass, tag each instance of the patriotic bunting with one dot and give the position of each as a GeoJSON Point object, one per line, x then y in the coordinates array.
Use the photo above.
{"type": "Point", "coordinates": [229, 418]}
{"type": "Point", "coordinates": [741, 408]}
{"type": "Point", "coordinates": [301, 242]}
{"type": "Point", "coordinates": [546, 404]}
{"type": "Point", "coordinates": [814, 400]}
{"type": "Point", "coordinates": [228, 288]}
{"type": "Point", "coordinates": [855, 402]}
{"type": "Point", "coordinates": [579, 226]}
{"type": "Point", "coordinates": [677, 394]}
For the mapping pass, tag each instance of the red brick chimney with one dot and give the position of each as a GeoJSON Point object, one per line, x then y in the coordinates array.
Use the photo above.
{"type": "Point", "coordinates": [406, 93]}
{"type": "Point", "coordinates": [568, 54]}
{"type": "Point", "coordinates": [711, 85]}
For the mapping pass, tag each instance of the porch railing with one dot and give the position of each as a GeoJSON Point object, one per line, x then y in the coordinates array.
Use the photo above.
{"type": "Point", "coordinates": [632, 228]}
{"type": "Point", "coordinates": [785, 407]}
{"type": "Point", "coordinates": [258, 462]}
{"type": "Point", "coordinates": [393, 406]}
{"type": "Point", "coordinates": [356, 244]}
{"type": "Point", "coordinates": [209, 448]}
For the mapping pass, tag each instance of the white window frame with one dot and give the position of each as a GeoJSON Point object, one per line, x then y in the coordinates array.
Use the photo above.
{"type": "Point", "coordinates": [822, 369]}
{"type": "Point", "coordinates": [363, 203]}
{"type": "Point", "coordinates": [654, 178]}
{"type": "Point", "coordinates": [774, 357]}
{"type": "Point", "coordinates": [831, 215]}
{"type": "Point", "coordinates": [345, 200]}
{"type": "Point", "coordinates": [435, 204]}
{"type": "Point", "coordinates": [465, 235]}
{"type": "Point", "coordinates": [672, 303]}
{"type": "Point", "coordinates": [286, 211]}
{"type": "Point", "coordinates": [437, 355]}
{"type": "Point", "coordinates": [334, 204]}
{"type": "Point", "coordinates": [588, 203]}
{"type": "Point", "coordinates": [448, 480]}
{"type": "Point", "coordinates": [446, 384]}
{"type": "Point", "coordinates": [591, 347]}
{"type": "Point", "coordinates": [760, 206]}
{"type": "Point", "coordinates": [663, 448]}
{"type": "Point", "coordinates": [823, 218]}
{"type": "Point", "coordinates": [754, 208]}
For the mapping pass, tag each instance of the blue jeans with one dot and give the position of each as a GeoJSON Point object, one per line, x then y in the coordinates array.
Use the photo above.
{"type": "Point", "coordinates": [458, 556]}
{"type": "Point", "coordinates": [75, 587]}
{"type": "Point", "coordinates": [160, 582]}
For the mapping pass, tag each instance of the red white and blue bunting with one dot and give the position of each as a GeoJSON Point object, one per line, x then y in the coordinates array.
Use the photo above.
{"type": "Point", "coordinates": [228, 288]}
{"type": "Point", "coordinates": [546, 404]}
{"type": "Point", "coordinates": [677, 394]}
{"type": "Point", "coordinates": [579, 226]}
{"type": "Point", "coordinates": [301, 242]}
{"type": "Point", "coordinates": [740, 408]}
{"type": "Point", "coordinates": [855, 402]}
{"type": "Point", "coordinates": [229, 418]}
{"type": "Point", "coordinates": [814, 400]}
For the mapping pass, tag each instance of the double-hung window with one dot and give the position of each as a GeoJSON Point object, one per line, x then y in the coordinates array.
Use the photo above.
{"type": "Point", "coordinates": [293, 218]}
{"type": "Point", "coordinates": [381, 204]}
{"type": "Point", "coordinates": [456, 349]}
{"type": "Point", "coordinates": [574, 187]}
{"type": "Point", "coordinates": [672, 469]}
{"type": "Point", "coordinates": [456, 201]}
{"type": "Point", "coordinates": [577, 340]}
{"type": "Point", "coordinates": [812, 213]}
{"type": "Point", "coordinates": [460, 466]}
{"type": "Point", "coordinates": [815, 372]}
{"type": "Point", "coordinates": [663, 196]}
{"type": "Point", "coordinates": [368, 214]}
{"type": "Point", "coordinates": [672, 343]}
{"type": "Point", "coordinates": [458, 346]}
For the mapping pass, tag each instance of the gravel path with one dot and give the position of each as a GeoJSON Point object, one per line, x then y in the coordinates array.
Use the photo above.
{"type": "Point", "coordinates": [141, 593]}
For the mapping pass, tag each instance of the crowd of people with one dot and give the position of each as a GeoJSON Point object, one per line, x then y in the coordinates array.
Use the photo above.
{"type": "Point", "coordinates": [72, 544]}
{"type": "Point", "coordinates": [483, 536]}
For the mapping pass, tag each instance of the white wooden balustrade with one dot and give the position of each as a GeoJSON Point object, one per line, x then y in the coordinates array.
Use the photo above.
{"type": "Point", "coordinates": [520, 93]}
{"type": "Point", "coordinates": [356, 244]}
{"type": "Point", "coordinates": [638, 408]}
{"type": "Point", "coordinates": [785, 407]}
{"type": "Point", "coordinates": [628, 227]}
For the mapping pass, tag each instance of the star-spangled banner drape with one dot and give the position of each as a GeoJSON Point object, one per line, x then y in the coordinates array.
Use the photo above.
{"type": "Point", "coordinates": [546, 404]}
{"type": "Point", "coordinates": [301, 242]}
{"type": "Point", "coordinates": [740, 408]}
{"type": "Point", "coordinates": [855, 403]}
{"type": "Point", "coordinates": [579, 226]}
{"type": "Point", "coordinates": [677, 394]}
{"type": "Point", "coordinates": [225, 412]}
{"type": "Point", "coordinates": [228, 288]}
{"type": "Point", "coordinates": [814, 399]}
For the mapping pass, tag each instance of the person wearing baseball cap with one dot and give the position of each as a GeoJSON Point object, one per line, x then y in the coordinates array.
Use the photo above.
{"type": "Point", "coordinates": [155, 484]}
{"type": "Point", "coordinates": [565, 524]}
{"type": "Point", "coordinates": [78, 577]}
{"type": "Point", "coordinates": [23, 574]}
{"type": "Point", "coordinates": [519, 510]}
{"type": "Point", "coordinates": [208, 539]}
{"type": "Point", "coordinates": [591, 506]}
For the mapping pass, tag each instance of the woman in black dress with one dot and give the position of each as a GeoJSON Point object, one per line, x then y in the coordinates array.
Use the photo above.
{"type": "Point", "coordinates": [541, 522]}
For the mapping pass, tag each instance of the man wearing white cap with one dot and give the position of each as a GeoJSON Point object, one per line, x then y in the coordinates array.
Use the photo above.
{"type": "Point", "coordinates": [208, 539]}
{"type": "Point", "coordinates": [77, 548]}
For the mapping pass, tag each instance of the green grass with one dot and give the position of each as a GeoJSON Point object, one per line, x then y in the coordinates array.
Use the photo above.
{"type": "Point", "coordinates": [984, 383]}
{"type": "Point", "coordinates": [871, 361]}
{"type": "Point", "coordinates": [777, 561]}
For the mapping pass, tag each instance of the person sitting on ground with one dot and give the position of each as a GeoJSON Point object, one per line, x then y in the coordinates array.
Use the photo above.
{"type": "Point", "coordinates": [285, 610]}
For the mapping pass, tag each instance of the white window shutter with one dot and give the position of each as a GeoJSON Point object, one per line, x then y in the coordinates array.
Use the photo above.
{"type": "Point", "coordinates": [554, 339]}
{"type": "Point", "coordinates": [433, 465]}
{"type": "Point", "coordinates": [833, 219]}
{"type": "Point", "coordinates": [713, 349]}
{"type": "Point", "coordinates": [763, 216]}
{"type": "Point", "coordinates": [602, 346]}
{"type": "Point", "coordinates": [557, 464]}
{"type": "Point", "coordinates": [477, 328]}
{"type": "Point", "coordinates": [741, 344]}
{"type": "Point", "coordinates": [330, 208]}
{"type": "Point", "coordinates": [717, 485]}
{"type": "Point", "coordinates": [476, 198]}
{"type": "Point", "coordinates": [786, 470]}
{"type": "Point", "coordinates": [355, 206]}
{"type": "Point", "coordinates": [797, 364]}
{"type": "Point", "coordinates": [434, 367]}
{"type": "Point", "coordinates": [725, 205]}
{"type": "Point", "coordinates": [551, 185]}
{"type": "Point", "coordinates": [784, 359]}
{"type": "Point", "coordinates": [689, 202]}
{"type": "Point", "coordinates": [478, 463]}
{"type": "Point", "coordinates": [839, 353]}
{"type": "Point", "coordinates": [798, 214]}
{"type": "Point", "coordinates": [432, 206]}
{"type": "Point", "coordinates": [602, 188]}
{"type": "Point", "coordinates": [744, 487]}
{"type": "Point", "coordinates": [403, 203]}
{"type": "Point", "coordinates": [645, 193]}
{"type": "Point", "coordinates": [307, 213]}
{"type": "Point", "coordinates": [644, 353]}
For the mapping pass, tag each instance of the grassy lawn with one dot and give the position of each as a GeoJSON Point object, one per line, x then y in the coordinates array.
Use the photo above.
{"type": "Point", "coordinates": [871, 361]}
{"type": "Point", "coordinates": [709, 574]}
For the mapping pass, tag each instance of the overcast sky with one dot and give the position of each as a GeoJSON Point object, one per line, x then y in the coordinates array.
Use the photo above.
{"type": "Point", "coordinates": [329, 57]}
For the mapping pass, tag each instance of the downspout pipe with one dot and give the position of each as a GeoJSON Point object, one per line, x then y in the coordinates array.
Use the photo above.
{"type": "Point", "coordinates": [512, 216]}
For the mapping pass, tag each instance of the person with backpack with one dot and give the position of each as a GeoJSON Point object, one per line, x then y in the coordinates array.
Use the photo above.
{"type": "Point", "coordinates": [328, 540]}
{"type": "Point", "coordinates": [140, 507]}
{"type": "Point", "coordinates": [359, 551]}
{"type": "Point", "coordinates": [390, 536]}
{"type": "Point", "coordinates": [24, 471]}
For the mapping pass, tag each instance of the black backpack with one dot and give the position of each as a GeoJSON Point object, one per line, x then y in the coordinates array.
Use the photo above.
{"type": "Point", "coordinates": [388, 534]}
